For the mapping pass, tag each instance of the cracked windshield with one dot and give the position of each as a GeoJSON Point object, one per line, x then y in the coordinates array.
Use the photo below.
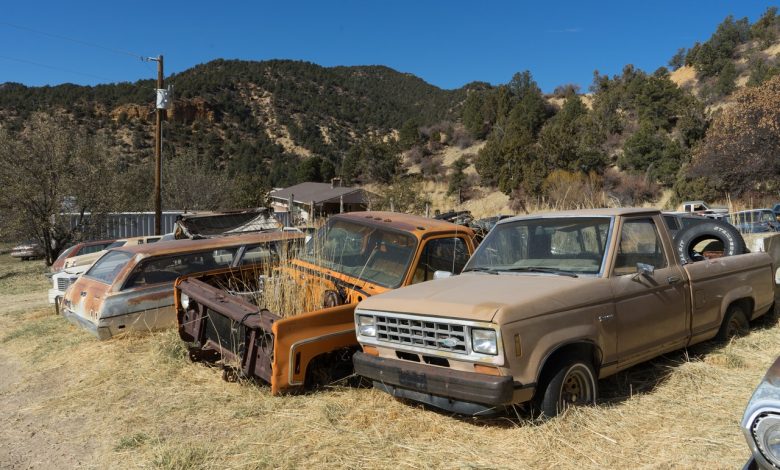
{"type": "Point", "coordinates": [365, 252]}
{"type": "Point", "coordinates": [567, 246]}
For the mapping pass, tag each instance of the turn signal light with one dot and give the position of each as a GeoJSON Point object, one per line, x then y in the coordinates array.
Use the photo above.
{"type": "Point", "coordinates": [370, 350]}
{"type": "Point", "coordinates": [483, 369]}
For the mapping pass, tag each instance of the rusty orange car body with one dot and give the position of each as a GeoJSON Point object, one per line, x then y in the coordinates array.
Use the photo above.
{"type": "Point", "coordinates": [386, 250]}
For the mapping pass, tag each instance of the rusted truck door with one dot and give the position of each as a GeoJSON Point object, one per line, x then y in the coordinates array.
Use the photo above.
{"type": "Point", "coordinates": [649, 291]}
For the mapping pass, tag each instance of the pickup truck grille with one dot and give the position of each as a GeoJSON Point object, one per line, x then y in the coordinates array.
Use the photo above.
{"type": "Point", "coordinates": [436, 335]}
{"type": "Point", "coordinates": [64, 282]}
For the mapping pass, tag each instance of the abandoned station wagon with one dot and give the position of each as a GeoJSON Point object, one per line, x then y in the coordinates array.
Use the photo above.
{"type": "Point", "coordinates": [132, 288]}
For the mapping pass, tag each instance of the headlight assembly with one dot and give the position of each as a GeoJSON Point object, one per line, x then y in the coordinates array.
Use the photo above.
{"type": "Point", "coordinates": [766, 432]}
{"type": "Point", "coordinates": [366, 325]}
{"type": "Point", "coordinates": [185, 300]}
{"type": "Point", "coordinates": [484, 341]}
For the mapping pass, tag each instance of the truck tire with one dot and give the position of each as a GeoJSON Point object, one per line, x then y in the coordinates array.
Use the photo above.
{"type": "Point", "coordinates": [735, 323]}
{"type": "Point", "coordinates": [573, 383]}
{"type": "Point", "coordinates": [686, 240]}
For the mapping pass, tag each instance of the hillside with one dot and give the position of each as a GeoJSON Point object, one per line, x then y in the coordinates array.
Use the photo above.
{"type": "Point", "coordinates": [245, 115]}
{"type": "Point", "coordinates": [737, 55]}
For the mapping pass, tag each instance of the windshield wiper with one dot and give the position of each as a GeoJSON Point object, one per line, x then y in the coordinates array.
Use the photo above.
{"type": "Point", "coordinates": [539, 269]}
{"type": "Point", "coordinates": [481, 269]}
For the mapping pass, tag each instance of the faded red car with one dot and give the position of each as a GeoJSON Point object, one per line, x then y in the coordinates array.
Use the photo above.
{"type": "Point", "coordinates": [78, 249]}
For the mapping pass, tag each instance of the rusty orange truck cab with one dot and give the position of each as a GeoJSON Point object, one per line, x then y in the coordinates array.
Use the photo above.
{"type": "Point", "coordinates": [129, 288]}
{"type": "Point", "coordinates": [354, 256]}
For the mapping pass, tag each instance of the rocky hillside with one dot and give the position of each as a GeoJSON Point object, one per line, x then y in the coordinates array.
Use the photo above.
{"type": "Point", "coordinates": [245, 115]}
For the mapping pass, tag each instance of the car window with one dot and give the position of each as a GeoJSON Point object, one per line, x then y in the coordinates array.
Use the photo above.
{"type": "Point", "coordinates": [441, 254]}
{"type": "Point", "coordinates": [116, 244]}
{"type": "Point", "coordinates": [263, 253]}
{"type": "Point", "coordinates": [639, 243]}
{"type": "Point", "coordinates": [93, 248]}
{"type": "Point", "coordinates": [167, 268]}
{"type": "Point", "coordinates": [65, 253]}
{"type": "Point", "coordinates": [108, 266]}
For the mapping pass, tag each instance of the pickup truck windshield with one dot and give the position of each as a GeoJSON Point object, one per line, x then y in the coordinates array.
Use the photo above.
{"type": "Point", "coordinates": [369, 253]}
{"type": "Point", "coordinates": [547, 245]}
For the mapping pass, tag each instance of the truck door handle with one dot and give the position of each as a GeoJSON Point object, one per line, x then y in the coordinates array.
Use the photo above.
{"type": "Point", "coordinates": [673, 279]}
{"type": "Point", "coordinates": [604, 318]}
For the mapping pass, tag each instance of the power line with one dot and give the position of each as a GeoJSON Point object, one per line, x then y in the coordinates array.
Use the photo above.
{"type": "Point", "coordinates": [77, 41]}
{"type": "Point", "coordinates": [25, 61]}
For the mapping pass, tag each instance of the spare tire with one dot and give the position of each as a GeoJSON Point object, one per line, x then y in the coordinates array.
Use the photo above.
{"type": "Point", "coordinates": [726, 234]}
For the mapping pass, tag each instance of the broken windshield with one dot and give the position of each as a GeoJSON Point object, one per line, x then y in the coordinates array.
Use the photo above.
{"type": "Point", "coordinates": [365, 252]}
{"type": "Point", "coordinates": [554, 245]}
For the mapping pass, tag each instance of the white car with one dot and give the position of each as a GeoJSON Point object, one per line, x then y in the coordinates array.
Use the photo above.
{"type": "Point", "coordinates": [60, 283]}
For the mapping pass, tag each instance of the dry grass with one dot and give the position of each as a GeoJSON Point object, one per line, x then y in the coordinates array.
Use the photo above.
{"type": "Point", "coordinates": [18, 277]}
{"type": "Point", "coordinates": [137, 402]}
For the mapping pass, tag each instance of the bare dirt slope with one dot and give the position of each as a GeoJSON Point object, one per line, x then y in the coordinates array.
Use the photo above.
{"type": "Point", "coordinates": [69, 401]}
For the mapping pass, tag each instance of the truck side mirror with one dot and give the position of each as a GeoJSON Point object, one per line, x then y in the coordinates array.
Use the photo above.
{"type": "Point", "coordinates": [645, 269]}
{"type": "Point", "coordinates": [441, 274]}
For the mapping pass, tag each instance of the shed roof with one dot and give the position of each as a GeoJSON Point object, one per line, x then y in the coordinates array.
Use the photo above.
{"type": "Point", "coordinates": [305, 193]}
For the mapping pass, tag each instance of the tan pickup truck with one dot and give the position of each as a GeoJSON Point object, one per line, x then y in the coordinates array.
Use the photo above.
{"type": "Point", "coordinates": [549, 304]}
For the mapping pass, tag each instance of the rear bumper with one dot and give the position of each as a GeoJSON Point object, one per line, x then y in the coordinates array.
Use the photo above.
{"type": "Point", "coordinates": [143, 321]}
{"type": "Point", "coordinates": [84, 324]}
{"type": "Point", "coordinates": [452, 390]}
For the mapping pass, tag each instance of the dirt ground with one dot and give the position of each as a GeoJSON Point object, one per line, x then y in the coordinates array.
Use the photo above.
{"type": "Point", "coordinates": [70, 401]}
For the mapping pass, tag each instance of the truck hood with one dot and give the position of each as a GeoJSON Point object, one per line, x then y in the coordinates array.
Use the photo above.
{"type": "Point", "coordinates": [501, 298]}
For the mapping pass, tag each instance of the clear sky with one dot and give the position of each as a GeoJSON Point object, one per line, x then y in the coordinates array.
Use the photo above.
{"type": "Point", "coordinates": [447, 43]}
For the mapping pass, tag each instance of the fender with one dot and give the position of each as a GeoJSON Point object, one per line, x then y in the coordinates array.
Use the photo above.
{"type": "Point", "coordinates": [556, 340]}
{"type": "Point", "coordinates": [300, 339]}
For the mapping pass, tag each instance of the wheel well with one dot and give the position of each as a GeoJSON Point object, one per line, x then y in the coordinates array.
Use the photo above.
{"type": "Point", "coordinates": [746, 303]}
{"type": "Point", "coordinates": [583, 350]}
{"type": "Point", "coordinates": [334, 364]}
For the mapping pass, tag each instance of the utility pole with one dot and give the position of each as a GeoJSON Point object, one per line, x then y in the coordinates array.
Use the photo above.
{"type": "Point", "coordinates": [158, 152]}
{"type": "Point", "coordinates": [161, 105]}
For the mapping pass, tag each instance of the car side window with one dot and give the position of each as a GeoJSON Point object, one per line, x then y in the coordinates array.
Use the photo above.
{"type": "Point", "coordinates": [441, 254]}
{"type": "Point", "coordinates": [167, 269]}
{"type": "Point", "coordinates": [639, 243]}
{"type": "Point", "coordinates": [263, 253]}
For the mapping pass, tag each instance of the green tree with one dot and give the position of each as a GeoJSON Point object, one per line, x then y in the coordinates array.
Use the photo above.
{"type": "Point", "coordinates": [458, 180]}
{"type": "Point", "coordinates": [409, 135]}
{"type": "Point", "coordinates": [651, 152]}
{"type": "Point", "coordinates": [765, 29]}
{"type": "Point", "coordinates": [726, 82]}
{"type": "Point", "coordinates": [678, 59]}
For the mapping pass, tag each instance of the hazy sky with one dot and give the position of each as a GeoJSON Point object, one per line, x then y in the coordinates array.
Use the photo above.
{"type": "Point", "coordinates": [447, 43]}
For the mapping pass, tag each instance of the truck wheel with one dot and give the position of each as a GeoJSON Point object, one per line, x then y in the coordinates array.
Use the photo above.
{"type": "Point", "coordinates": [572, 384]}
{"type": "Point", "coordinates": [724, 234]}
{"type": "Point", "coordinates": [735, 323]}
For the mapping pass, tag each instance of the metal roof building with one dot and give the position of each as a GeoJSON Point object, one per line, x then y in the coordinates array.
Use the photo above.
{"type": "Point", "coordinates": [321, 198]}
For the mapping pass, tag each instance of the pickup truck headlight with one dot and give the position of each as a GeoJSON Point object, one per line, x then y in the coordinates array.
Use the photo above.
{"type": "Point", "coordinates": [766, 432]}
{"type": "Point", "coordinates": [366, 325]}
{"type": "Point", "coordinates": [185, 300]}
{"type": "Point", "coordinates": [484, 341]}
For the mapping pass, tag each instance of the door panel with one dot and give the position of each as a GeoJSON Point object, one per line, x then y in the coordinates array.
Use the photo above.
{"type": "Point", "coordinates": [650, 307]}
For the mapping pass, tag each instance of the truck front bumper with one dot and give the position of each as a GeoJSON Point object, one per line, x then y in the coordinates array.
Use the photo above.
{"type": "Point", "coordinates": [457, 391]}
